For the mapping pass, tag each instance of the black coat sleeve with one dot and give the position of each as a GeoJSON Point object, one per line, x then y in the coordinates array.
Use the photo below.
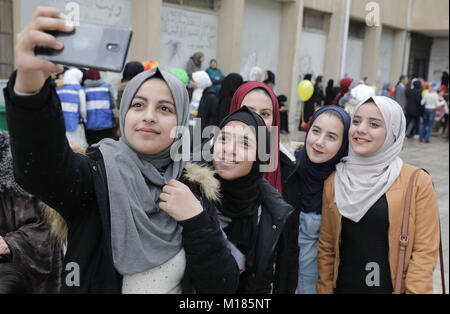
{"type": "Point", "coordinates": [44, 163]}
{"type": "Point", "coordinates": [209, 263]}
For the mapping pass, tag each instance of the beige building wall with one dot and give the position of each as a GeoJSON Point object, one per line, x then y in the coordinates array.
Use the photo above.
{"type": "Point", "coordinates": [16, 23]}
{"type": "Point", "coordinates": [288, 58]}
{"type": "Point", "coordinates": [335, 41]}
{"type": "Point", "coordinates": [430, 15]}
{"type": "Point", "coordinates": [146, 24]}
{"type": "Point", "coordinates": [230, 35]}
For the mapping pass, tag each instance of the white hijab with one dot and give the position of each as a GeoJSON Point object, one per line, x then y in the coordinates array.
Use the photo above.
{"type": "Point", "coordinates": [361, 181]}
{"type": "Point", "coordinates": [72, 76]}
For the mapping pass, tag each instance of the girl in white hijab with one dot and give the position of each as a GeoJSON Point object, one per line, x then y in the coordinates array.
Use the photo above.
{"type": "Point", "coordinates": [363, 206]}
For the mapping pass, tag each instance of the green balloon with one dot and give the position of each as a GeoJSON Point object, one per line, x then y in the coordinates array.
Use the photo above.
{"type": "Point", "coordinates": [180, 74]}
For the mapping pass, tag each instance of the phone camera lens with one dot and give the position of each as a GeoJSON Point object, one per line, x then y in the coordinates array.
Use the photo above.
{"type": "Point", "coordinates": [112, 47]}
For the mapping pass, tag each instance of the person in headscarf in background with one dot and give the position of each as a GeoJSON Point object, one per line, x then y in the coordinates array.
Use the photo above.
{"type": "Point", "coordinates": [100, 105]}
{"type": "Point", "coordinates": [129, 204]}
{"type": "Point", "coordinates": [385, 90]}
{"type": "Point", "coordinates": [308, 106]}
{"type": "Point", "coordinates": [414, 108]}
{"type": "Point", "coordinates": [208, 108]}
{"type": "Point", "coordinates": [330, 92]}
{"type": "Point", "coordinates": [73, 103]}
{"type": "Point", "coordinates": [215, 75]}
{"type": "Point", "coordinates": [269, 79]}
{"type": "Point", "coordinates": [362, 211]}
{"type": "Point", "coordinates": [229, 86]}
{"type": "Point", "coordinates": [357, 92]}
{"type": "Point", "coordinates": [195, 63]}
{"type": "Point", "coordinates": [131, 69]}
{"type": "Point", "coordinates": [284, 114]}
{"type": "Point", "coordinates": [256, 74]}
{"type": "Point", "coordinates": [343, 89]}
{"type": "Point", "coordinates": [318, 92]}
{"type": "Point", "coordinates": [200, 81]}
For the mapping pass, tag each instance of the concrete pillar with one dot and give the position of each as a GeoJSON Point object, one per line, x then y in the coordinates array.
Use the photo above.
{"type": "Point", "coordinates": [398, 51]}
{"type": "Point", "coordinates": [288, 55]}
{"type": "Point", "coordinates": [17, 18]}
{"type": "Point", "coordinates": [335, 40]}
{"type": "Point", "coordinates": [371, 54]}
{"type": "Point", "coordinates": [146, 24]}
{"type": "Point", "coordinates": [230, 35]}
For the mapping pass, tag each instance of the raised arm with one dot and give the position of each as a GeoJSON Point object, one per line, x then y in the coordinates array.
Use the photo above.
{"type": "Point", "coordinates": [44, 164]}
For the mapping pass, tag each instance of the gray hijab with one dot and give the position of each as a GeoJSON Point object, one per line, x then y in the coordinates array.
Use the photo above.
{"type": "Point", "coordinates": [142, 235]}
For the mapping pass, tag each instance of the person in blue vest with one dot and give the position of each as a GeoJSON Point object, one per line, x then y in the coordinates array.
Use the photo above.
{"type": "Point", "coordinates": [99, 105]}
{"type": "Point", "coordinates": [73, 105]}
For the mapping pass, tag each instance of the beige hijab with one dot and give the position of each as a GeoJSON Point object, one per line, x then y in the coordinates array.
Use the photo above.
{"type": "Point", "coordinates": [361, 181]}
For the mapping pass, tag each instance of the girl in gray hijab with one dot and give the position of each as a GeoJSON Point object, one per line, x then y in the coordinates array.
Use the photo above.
{"type": "Point", "coordinates": [139, 221]}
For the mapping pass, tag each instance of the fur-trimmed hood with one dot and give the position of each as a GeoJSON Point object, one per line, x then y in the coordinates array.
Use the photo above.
{"type": "Point", "coordinates": [203, 175]}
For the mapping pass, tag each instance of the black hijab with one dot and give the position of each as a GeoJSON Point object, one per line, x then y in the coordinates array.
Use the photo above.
{"type": "Point", "coordinates": [313, 175]}
{"type": "Point", "coordinates": [229, 86]}
{"type": "Point", "coordinates": [242, 197]}
{"type": "Point", "coordinates": [132, 69]}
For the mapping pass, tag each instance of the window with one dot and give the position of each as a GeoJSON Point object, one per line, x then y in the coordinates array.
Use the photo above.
{"type": "Point", "coordinates": [356, 29]}
{"type": "Point", "coordinates": [6, 39]}
{"type": "Point", "coordinates": [315, 20]}
{"type": "Point", "coordinates": [213, 5]}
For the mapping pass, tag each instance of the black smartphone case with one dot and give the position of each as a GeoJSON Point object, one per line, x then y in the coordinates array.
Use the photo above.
{"type": "Point", "coordinates": [101, 47]}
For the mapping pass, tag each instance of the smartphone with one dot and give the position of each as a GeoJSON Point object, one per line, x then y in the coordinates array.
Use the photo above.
{"type": "Point", "coordinates": [102, 47]}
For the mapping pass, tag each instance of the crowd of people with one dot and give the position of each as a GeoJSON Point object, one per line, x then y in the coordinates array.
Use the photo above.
{"type": "Point", "coordinates": [425, 105]}
{"type": "Point", "coordinates": [116, 213]}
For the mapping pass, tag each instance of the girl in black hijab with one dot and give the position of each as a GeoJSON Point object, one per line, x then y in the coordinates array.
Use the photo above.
{"type": "Point", "coordinates": [252, 213]}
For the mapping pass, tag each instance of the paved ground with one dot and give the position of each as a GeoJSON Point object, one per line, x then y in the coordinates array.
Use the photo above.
{"type": "Point", "coordinates": [434, 157]}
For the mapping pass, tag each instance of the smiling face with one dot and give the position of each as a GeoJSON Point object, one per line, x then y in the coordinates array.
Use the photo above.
{"type": "Point", "coordinates": [259, 102]}
{"type": "Point", "coordinates": [368, 130]}
{"type": "Point", "coordinates": [324, 138]}
{"type": "Point", "coordinates": [151, 117]}
{"type": "Point", "coordinates": [234, 151]}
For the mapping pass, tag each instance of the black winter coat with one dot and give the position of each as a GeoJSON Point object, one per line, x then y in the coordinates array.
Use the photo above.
{"type": "Point", "coordinates": [208, 108]}
{"type": "Point", "coordinates": [286, 267]}
{"type": "Point", "coordinates": [272, 221]}
{"type": "Point", "coordinates": [75, 185]}
{"type": "Point", "coordinates": [413, 99]}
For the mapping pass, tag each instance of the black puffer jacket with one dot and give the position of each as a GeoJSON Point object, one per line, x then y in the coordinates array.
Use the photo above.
{"type": "Point", "coordinates": [208, 108]}
{"type": "Point", "coordinates": [286, 267]}
{"type": "Point", "coordinates": [75, 185]}
{"type": "Point", "coordinates": [274, 213]}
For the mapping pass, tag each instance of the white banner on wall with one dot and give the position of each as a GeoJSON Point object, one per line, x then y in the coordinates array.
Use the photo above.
{"type": "Point", "coordinates": [184, 33]}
